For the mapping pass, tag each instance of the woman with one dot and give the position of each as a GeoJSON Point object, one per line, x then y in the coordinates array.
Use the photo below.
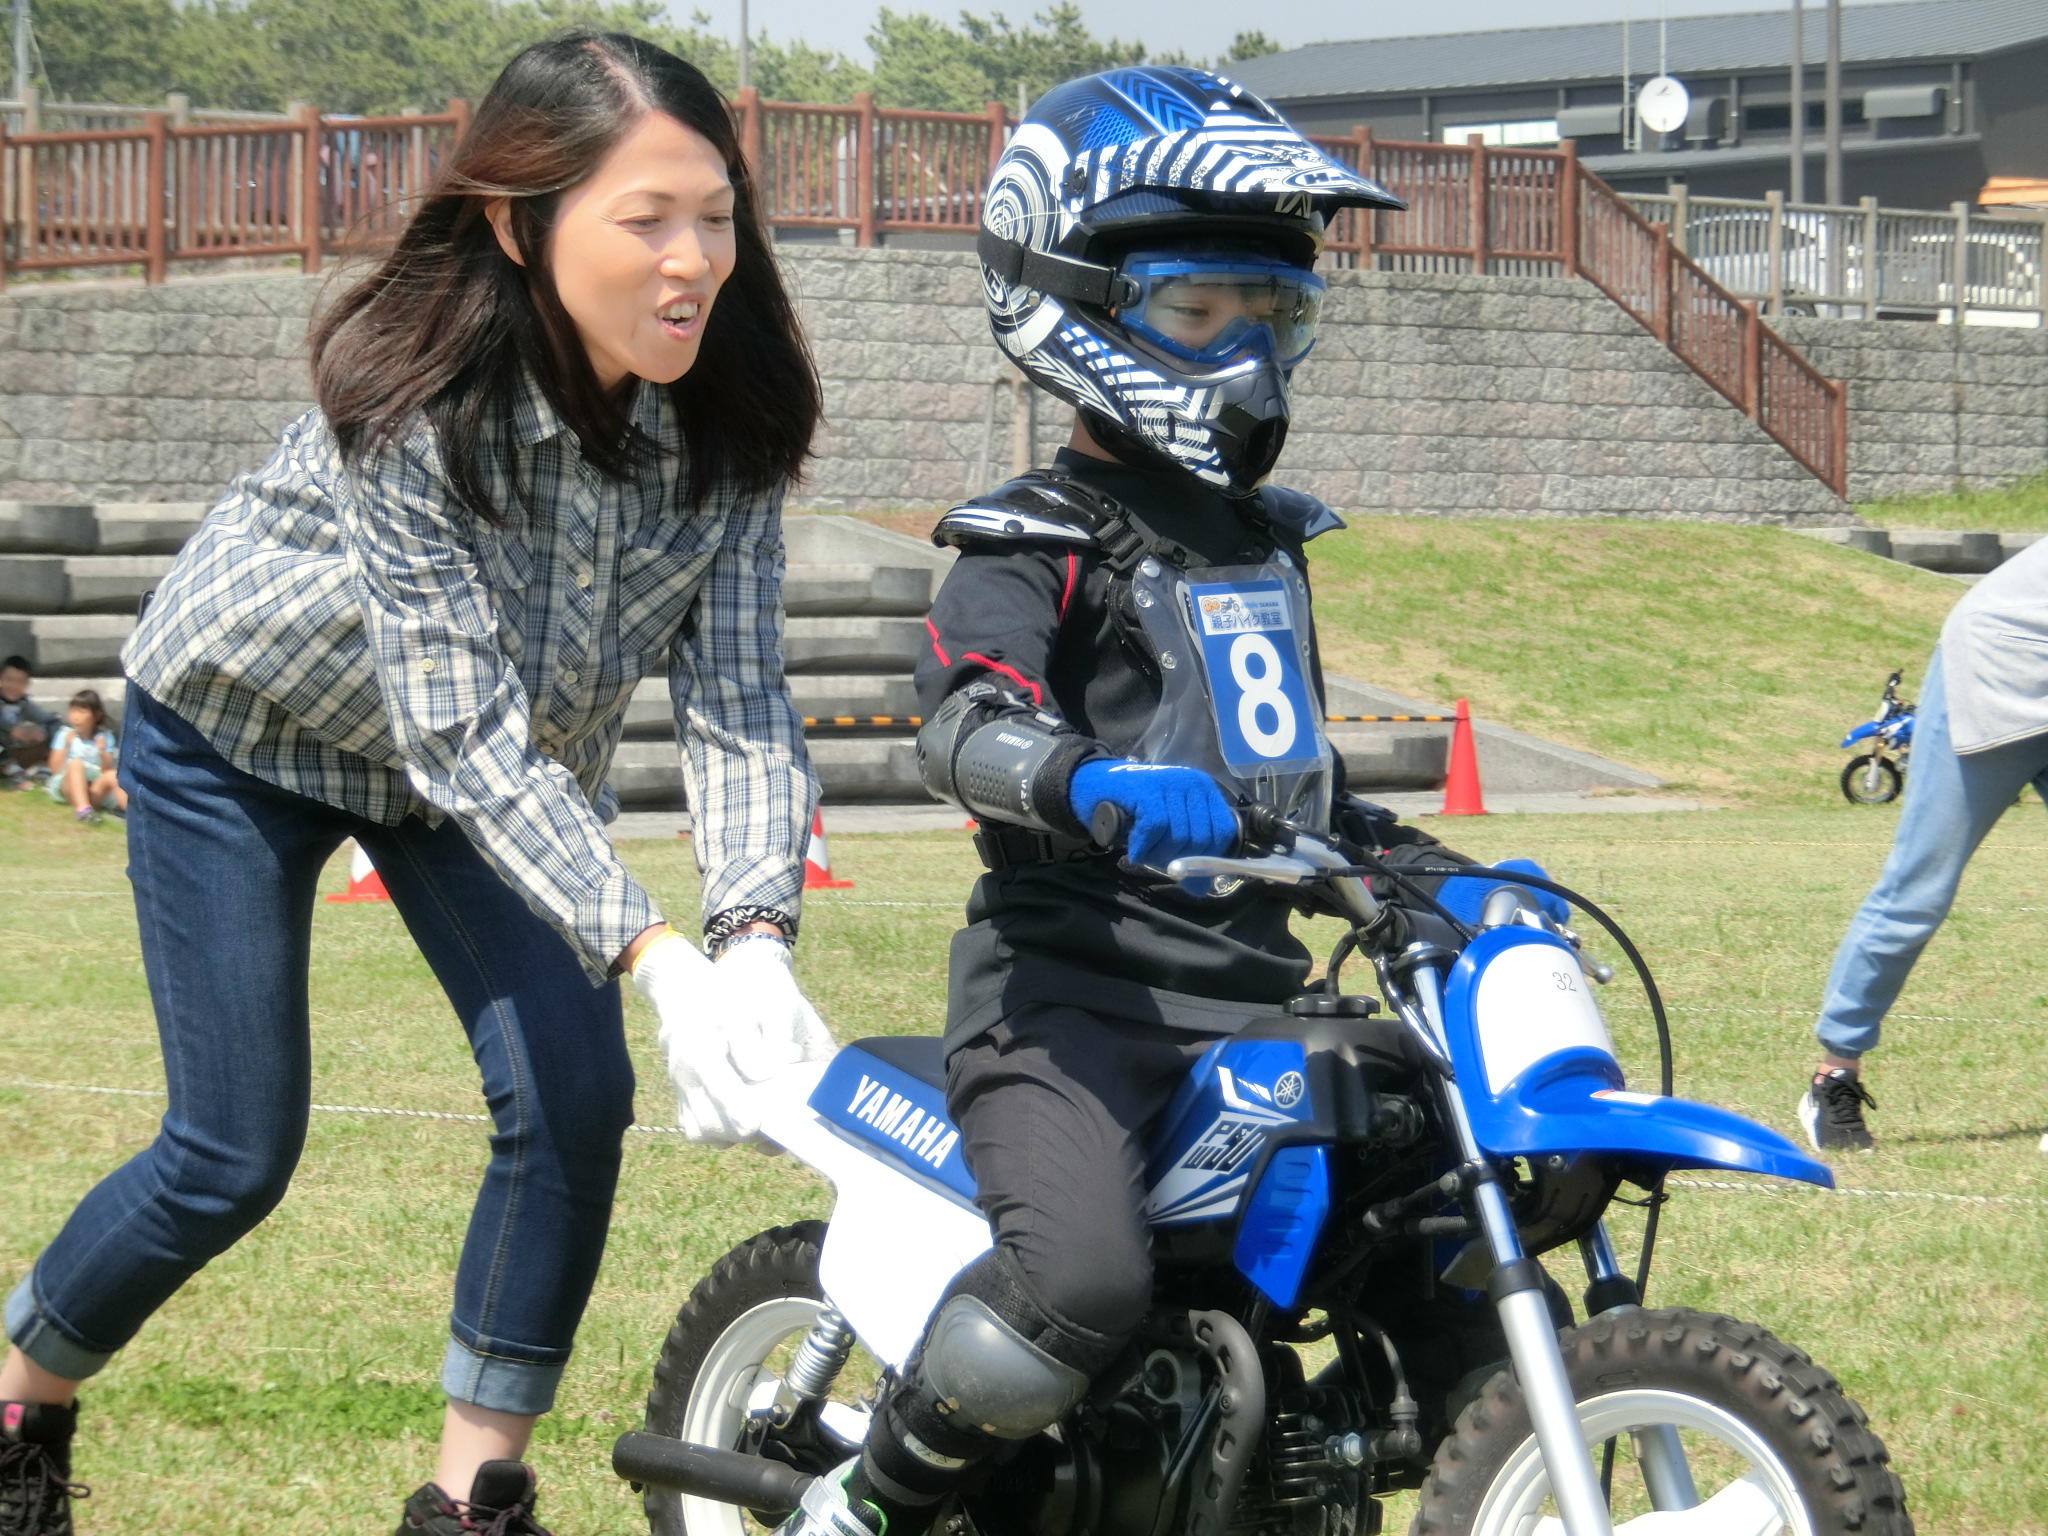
{"type": "Point", "coordinates": [553, 432]}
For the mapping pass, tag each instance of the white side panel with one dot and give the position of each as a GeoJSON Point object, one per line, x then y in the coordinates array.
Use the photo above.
{"type": "Point", "coordinates": [893, 1245]}
{"type": "Point", "coordinates": [1533, 1000]}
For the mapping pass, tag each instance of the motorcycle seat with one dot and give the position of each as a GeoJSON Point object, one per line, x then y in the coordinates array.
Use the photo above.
{"type": "Point", "coordinates": [920, 1056]}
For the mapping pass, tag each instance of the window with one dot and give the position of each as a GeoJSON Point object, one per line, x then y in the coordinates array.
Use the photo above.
{"type": "Point", "coordinates": [1776, 117]}
{"type": "Point", "coordinates": [1533, 131]}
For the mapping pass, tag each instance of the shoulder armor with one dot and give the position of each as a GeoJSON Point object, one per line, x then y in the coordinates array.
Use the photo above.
{"type": "Point", "coordinates": [1041, 505]}
{"type": "Point", "coordinates": [1297, 511]}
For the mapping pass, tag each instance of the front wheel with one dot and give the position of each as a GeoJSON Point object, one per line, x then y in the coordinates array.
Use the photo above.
{"type": "Point", "coordinates": [1871, 780]}
{"type": "Point", "coordinates": [1770, 1445]}
{"type": "Point", "coordinates": [719, 1380]}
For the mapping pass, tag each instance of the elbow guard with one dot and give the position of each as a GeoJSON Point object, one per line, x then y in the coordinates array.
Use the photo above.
{"type": "Point", "coordinates": [990, 753]}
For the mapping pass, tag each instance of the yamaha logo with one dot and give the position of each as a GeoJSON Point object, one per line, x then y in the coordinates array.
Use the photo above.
{"type": "Point", "coordinates": [1287, 1092]}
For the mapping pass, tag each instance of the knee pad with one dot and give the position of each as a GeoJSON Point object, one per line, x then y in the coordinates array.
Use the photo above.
{"type": "Point", "coordinates": [983, 1371]}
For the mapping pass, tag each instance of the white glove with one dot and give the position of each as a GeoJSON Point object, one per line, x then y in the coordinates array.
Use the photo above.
{"type": "Point", "coordinates": [781, 1027]}
{"type": "Point", "coordinates": [726, 1027]}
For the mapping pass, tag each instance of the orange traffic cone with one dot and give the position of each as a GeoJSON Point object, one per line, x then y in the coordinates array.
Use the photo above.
{"type": "Point", "coordinates": [1461, 784]}
{"type": "Point", "coordinates": [818, 860]}
{"type": "Point", "coordinates": [364, 883]}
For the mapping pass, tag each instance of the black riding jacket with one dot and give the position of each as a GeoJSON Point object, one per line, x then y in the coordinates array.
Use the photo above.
{"type": "Point", "coordinates": [1077, 928]}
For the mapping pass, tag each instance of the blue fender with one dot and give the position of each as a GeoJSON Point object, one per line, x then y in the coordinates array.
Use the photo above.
{"type": "Point", "coordinates": [1862, 732]}
{"type": "Point", "coordinates": [1567, 1093]}
{"type": "Point", "coordinates": [1573, 1102]}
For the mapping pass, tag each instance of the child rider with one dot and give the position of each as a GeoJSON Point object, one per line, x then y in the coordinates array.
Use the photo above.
{"type": "Point", "coordinates": [1129, 627]}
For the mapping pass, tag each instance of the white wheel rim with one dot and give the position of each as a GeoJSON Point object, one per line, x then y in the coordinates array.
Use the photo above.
{"type": "Point", "coordinates": [717, 1408]}
{"type": "Point", "coordinates": [1761, 1502]}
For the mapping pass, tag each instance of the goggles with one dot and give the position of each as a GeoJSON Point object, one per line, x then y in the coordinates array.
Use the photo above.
{"type": "Point", "coordinates": [1212, 307]}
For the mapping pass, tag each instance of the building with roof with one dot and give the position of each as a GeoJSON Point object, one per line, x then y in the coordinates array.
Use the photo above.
{"type": "Point", "coordinates": [1943, 101]}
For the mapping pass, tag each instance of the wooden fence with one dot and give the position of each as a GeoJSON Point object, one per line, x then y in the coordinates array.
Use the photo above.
{"type": "Point", "coordinates": [157, 193]}
{"type": "Point", "coordinates": [151, 194]}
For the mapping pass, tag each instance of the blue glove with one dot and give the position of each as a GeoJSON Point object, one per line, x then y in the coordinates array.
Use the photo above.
{"type": "Point", "coordinates": [1463, 896]}
{"type": "Point", "coordinates": [1175, 812]}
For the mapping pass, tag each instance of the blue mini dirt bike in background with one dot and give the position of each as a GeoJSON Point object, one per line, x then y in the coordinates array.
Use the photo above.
{"type": "Point", "coordinates": [1347, 1204]}
{"type": "Point", "coordinates": [1876, 775]}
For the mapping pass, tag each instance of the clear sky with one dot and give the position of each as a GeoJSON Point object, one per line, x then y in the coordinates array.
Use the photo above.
{"type": "Point", "coordinates": [1204, 28]}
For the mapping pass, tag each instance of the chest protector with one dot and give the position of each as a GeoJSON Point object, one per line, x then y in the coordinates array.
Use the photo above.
{"type": "Point", "coordinates": [1230, 644]}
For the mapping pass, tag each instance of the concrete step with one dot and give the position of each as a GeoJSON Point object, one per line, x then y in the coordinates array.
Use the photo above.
{"type": "Point", "coordinates": [853, 645]}
{"type": "Point", "coordinates": [54, 693]}
{"type": "Point", "coordinates": [1380, 757]}
{"type": "Point", "coordinates": [146, 527]}
{"type": "Point", "coordinates": [648, 775]}
{"type": "Point", "coordinates": [77, 583]}
{"type": "Point", "coordinates": [66, 644]}
{"type": "Point", "coordinates": [649, 713]}
{"type": "Point", "coordinates": [43, 527]}
{"type": "Point", "coordinates": [834, 591]}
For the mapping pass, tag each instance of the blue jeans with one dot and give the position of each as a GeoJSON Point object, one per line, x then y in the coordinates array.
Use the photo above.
{"type": "Point", "coordinates": [224, 868]}
{"type": "Point", "coordinates": [1952, 802]}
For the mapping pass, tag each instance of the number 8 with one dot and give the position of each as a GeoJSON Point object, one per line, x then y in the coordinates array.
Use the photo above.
{"type": "Point", "coordinates": [1262, 687]}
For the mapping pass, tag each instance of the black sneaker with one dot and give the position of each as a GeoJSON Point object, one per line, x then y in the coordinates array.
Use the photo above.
{"type": "Point", "coordinates": [35, 1469]}
{"type": "Point", "coordinates": [500, 1503]}
{"type": "Point", "coordinates": [1832, 1112]}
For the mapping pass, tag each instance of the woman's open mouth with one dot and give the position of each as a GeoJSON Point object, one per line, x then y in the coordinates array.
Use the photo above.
{"type": "Point", "coordinates": [683, 319]}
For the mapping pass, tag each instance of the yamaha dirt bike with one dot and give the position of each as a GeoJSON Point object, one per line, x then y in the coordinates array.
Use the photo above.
{"type": "Point", "coordinates": [1346, 1205]}
{"type": "Point", "coordinates": [1876, 775]}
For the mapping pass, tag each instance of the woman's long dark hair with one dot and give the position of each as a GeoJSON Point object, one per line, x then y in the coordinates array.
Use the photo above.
{"type": "Point", "coordinates": [444, 323]}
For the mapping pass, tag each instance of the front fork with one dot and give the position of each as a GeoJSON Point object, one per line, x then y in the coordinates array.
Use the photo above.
{"type": "Point", "coordinates": [1516, 1286]}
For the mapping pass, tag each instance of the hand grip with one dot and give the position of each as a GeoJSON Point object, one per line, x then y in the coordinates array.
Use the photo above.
{"type": "Point", "coordinates": [1109, 826]}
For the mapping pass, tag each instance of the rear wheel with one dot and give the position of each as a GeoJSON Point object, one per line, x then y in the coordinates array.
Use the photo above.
{"type": "Point", "coordinates": [1871, 780]}
{"type": "Point", "coordinates": [1771, 1446]}
{"type": "Point", "coordinates": [719, 1380]}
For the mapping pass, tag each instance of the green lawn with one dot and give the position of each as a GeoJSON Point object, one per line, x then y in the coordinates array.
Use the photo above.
{"type": "Point", "coordinates": [290, 1386]}
{"type": "Point", "coordinates": [1727, 660]}
{"type": "Point", "coordinates": [2020, 507]}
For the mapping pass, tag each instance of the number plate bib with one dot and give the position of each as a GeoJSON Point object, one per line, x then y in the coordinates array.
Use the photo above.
{"type": "Point", "coordinates": [1236, 697]}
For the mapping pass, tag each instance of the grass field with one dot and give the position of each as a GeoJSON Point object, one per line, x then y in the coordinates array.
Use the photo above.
{"type": "Point", "coordinates": [290, 1386]}
{"type": "Point", "coordinates": [1728, 660]}
{"type": "Point", "coordinates": [2021, 507]}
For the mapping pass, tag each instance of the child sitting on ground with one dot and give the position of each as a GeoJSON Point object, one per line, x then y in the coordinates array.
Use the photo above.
{"type": "Point", "coordinates": [82, 761]}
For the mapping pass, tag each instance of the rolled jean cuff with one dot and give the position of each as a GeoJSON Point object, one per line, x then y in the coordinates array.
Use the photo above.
{"type": "Point", "coordinates": [497, 1382]}
{"type": "Point", "coordinates": [36, 1334]}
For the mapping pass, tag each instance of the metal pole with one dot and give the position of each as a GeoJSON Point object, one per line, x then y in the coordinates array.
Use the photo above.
{"type": "Point", "coordinates": [746, 50]}
{"type": "Point", "coordinates": [1796, 187]}
{"type": "Point", "coordinates": [1833, 87]}
{"type": "Point", "coordinates": [21, 81]}
{"type": "Point", "coordinates": [1628, 117]}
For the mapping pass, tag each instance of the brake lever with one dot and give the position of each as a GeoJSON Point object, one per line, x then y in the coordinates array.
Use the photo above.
{"type": "Point", "coordinates": [1277, 868]}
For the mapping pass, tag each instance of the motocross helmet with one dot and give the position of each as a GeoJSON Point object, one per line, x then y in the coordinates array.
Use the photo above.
{"type": "Point", "coordinates": [1148, 248]}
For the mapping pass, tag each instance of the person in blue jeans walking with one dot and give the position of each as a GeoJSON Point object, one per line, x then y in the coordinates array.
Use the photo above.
{"type": "Point", "coordinates": [1980, 739]}
{"type": "Point", "coordinates": [554, 428]}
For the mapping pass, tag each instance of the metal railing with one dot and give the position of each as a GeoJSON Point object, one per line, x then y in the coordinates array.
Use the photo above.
{"type": "Point", "coordinates": [154, 193]}
{"type": "Point", "coordinates": [1862, 261]}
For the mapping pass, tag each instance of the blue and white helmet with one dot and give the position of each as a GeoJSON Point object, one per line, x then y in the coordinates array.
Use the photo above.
{"type": "Point", "coordinates": [1120, 195]}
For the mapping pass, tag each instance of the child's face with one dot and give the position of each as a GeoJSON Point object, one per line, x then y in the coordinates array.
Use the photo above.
{"type": "Point", "coordinates": [1195, 312]}
{"type": "Point", "coordinates": [13, 684]}
{"type": "Point", "coordinates": [81, 719]}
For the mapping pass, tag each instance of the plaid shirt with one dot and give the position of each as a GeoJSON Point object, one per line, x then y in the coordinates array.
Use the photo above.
{"type": "Point", "coordinates": [355, 637]}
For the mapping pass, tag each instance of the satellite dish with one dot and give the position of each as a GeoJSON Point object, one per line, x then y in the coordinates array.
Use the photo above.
{"type": "Point", "coordinates": [1662, 103]}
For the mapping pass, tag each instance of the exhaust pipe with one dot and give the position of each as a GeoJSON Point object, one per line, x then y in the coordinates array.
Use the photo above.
{"type": "Point", "coordinates": [704, 1472]}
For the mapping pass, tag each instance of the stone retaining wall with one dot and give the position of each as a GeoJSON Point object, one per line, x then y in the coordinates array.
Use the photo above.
{"type": "Point", "coordinates": [1934, 407]}
{"type": "Point", "coordinates": [1428, 394]}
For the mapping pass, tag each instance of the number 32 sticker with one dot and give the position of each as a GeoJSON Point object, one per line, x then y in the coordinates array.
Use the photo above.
{"type": "Point", "coordinates": [1264, 719]}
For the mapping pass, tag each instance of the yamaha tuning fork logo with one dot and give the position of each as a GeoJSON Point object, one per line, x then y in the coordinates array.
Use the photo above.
{"type": "Point", "coordinates": [1288, 1090]}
